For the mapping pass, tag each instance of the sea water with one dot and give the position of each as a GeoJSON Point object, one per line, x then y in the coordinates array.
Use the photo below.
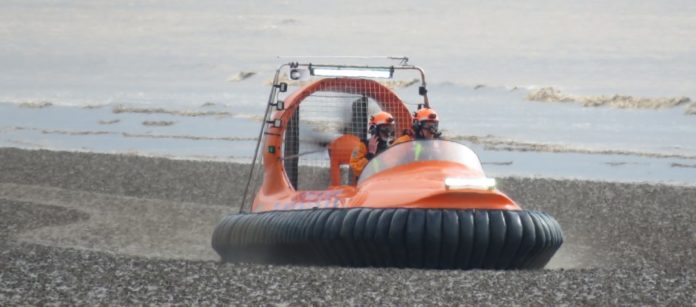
{"type": "Point", "coordinates": [164, 78]}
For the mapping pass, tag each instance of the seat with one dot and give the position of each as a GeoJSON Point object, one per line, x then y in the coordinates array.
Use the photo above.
{"type": "Point", "coordinates": [340, 151]}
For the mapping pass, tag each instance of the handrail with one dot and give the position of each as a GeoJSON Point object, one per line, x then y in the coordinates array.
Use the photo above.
{"type": "Point", "coordinates": [271, 101]}
{"type": "Point", "coordinates": [274, 93]}
{"type": "Point", "coordinates": [404, 66]}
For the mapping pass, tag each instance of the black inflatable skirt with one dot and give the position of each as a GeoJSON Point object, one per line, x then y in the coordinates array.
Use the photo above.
{"type": "Point", "coordinates": [414, 238]}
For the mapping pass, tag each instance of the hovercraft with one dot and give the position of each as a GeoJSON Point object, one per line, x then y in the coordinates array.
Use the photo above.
{"type": "Point", "coordinates": [418, 204]}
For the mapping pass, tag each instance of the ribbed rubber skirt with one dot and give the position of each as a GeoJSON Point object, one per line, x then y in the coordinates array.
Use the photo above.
{"type": "Point", "coordinates": [415, 238]}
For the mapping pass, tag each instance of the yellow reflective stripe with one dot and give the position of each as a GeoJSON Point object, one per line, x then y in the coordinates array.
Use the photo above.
{"type": "Point", "coordinates": [375, 165]}
{"type": "Point", "coordinates": [417, 151]}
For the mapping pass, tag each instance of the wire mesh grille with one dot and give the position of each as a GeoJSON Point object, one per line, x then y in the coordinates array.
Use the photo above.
{"type": "Point", "coordinates": [321, 119]}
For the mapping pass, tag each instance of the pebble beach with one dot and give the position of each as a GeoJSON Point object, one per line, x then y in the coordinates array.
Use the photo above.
{"type": "Point", "coordinates": [100, 229]}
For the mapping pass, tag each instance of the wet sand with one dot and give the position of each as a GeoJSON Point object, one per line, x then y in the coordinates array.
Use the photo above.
{"type": "Point", "coordinates": [80, 228]}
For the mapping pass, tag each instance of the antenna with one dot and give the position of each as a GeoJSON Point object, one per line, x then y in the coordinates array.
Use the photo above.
{"type": "Point", "coordinates": [402, 60]}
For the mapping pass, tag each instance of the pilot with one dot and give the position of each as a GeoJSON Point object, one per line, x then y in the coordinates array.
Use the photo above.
{"type": "Point", "coordinates": [381, 137]}
{"type": "Point", "coordinates": [425, 127]}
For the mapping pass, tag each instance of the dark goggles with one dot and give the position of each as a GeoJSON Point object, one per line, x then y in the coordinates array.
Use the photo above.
{"type": "Point", "coordinates": [430, 125]}
{"type": "Point", "coordinates": [384, 130]}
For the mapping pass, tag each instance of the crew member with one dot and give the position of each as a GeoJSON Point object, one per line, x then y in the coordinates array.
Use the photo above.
{"type": "Point", "coordinates": [381, 136]}
{"type": "Point", "coordinates": [425, 127]}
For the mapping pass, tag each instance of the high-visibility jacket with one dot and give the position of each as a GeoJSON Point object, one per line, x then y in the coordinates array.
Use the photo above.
{"type": "Point", "coordinates": [403, 138]}
{"type": "Point", "coordinates": [417, 150]}
{"type": "Point", "coordinates": [359, 158]}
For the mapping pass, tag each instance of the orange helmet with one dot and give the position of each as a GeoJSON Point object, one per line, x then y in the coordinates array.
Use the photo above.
{"type": "Point", "coordinates": [381, 118]}
{"type": "Point", "coordinates": [425, 114]}
{"type": "Point", "coordinates": [382, 121]}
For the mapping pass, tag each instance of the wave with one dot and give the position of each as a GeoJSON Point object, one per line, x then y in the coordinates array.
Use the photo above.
{"type": "Point", "coordinates": [124, 109]}
{"type": "Point", "coordinates": [621, 163]}
{"type": "Point", "coordinates": [63, 132]}
{"type": "Point", "coordinates": [129, 135]}
{"type": "Point", "coordinates": [187, 137]}
{"type": "Point", "coordinates": [93, 106]}
{"type": "Point", "coordinates": [25, 144]}
{"type": "Point", "coordinates": [252, 117]}
{"type": "Point", "coordinates": [683, 165]}
{"type": "Point", "coordinates": [550, 94]}
{"type": "Point", "coordinates": [35, 104]}
{"type": "Point", "coordinates": [109, 122]}
{"type": "Point", "coordinates": [400, 83]}
{"type": "Point", "coordinates": [207, 108]}
{"type": "Point", "coordinates": [195, 157]}
{"type": "Point", "coordinates": [40, 103]}
{"type": "Point", "coordinates": [691, 110]}
{"type": "Point", "coordinates": [160, 123]}
{"type": "Point", "coordinates": [151, 107]}
{"type": "Point", "coordinates": [121, 108]}
{"type": "Point", "coordinates": [494, 143]}
{"type": "Point", "coordinates": [501, 163]}
{"type": "Point", "coordinates": [240, 76]}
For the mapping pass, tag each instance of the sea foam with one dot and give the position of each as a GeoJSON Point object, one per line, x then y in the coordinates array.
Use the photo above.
{"type": "Point", "coordinates": [550, 94]}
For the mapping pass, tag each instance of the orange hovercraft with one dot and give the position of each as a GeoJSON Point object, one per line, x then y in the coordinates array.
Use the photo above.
{"type": "Point", "coordinates": [418, 204]}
